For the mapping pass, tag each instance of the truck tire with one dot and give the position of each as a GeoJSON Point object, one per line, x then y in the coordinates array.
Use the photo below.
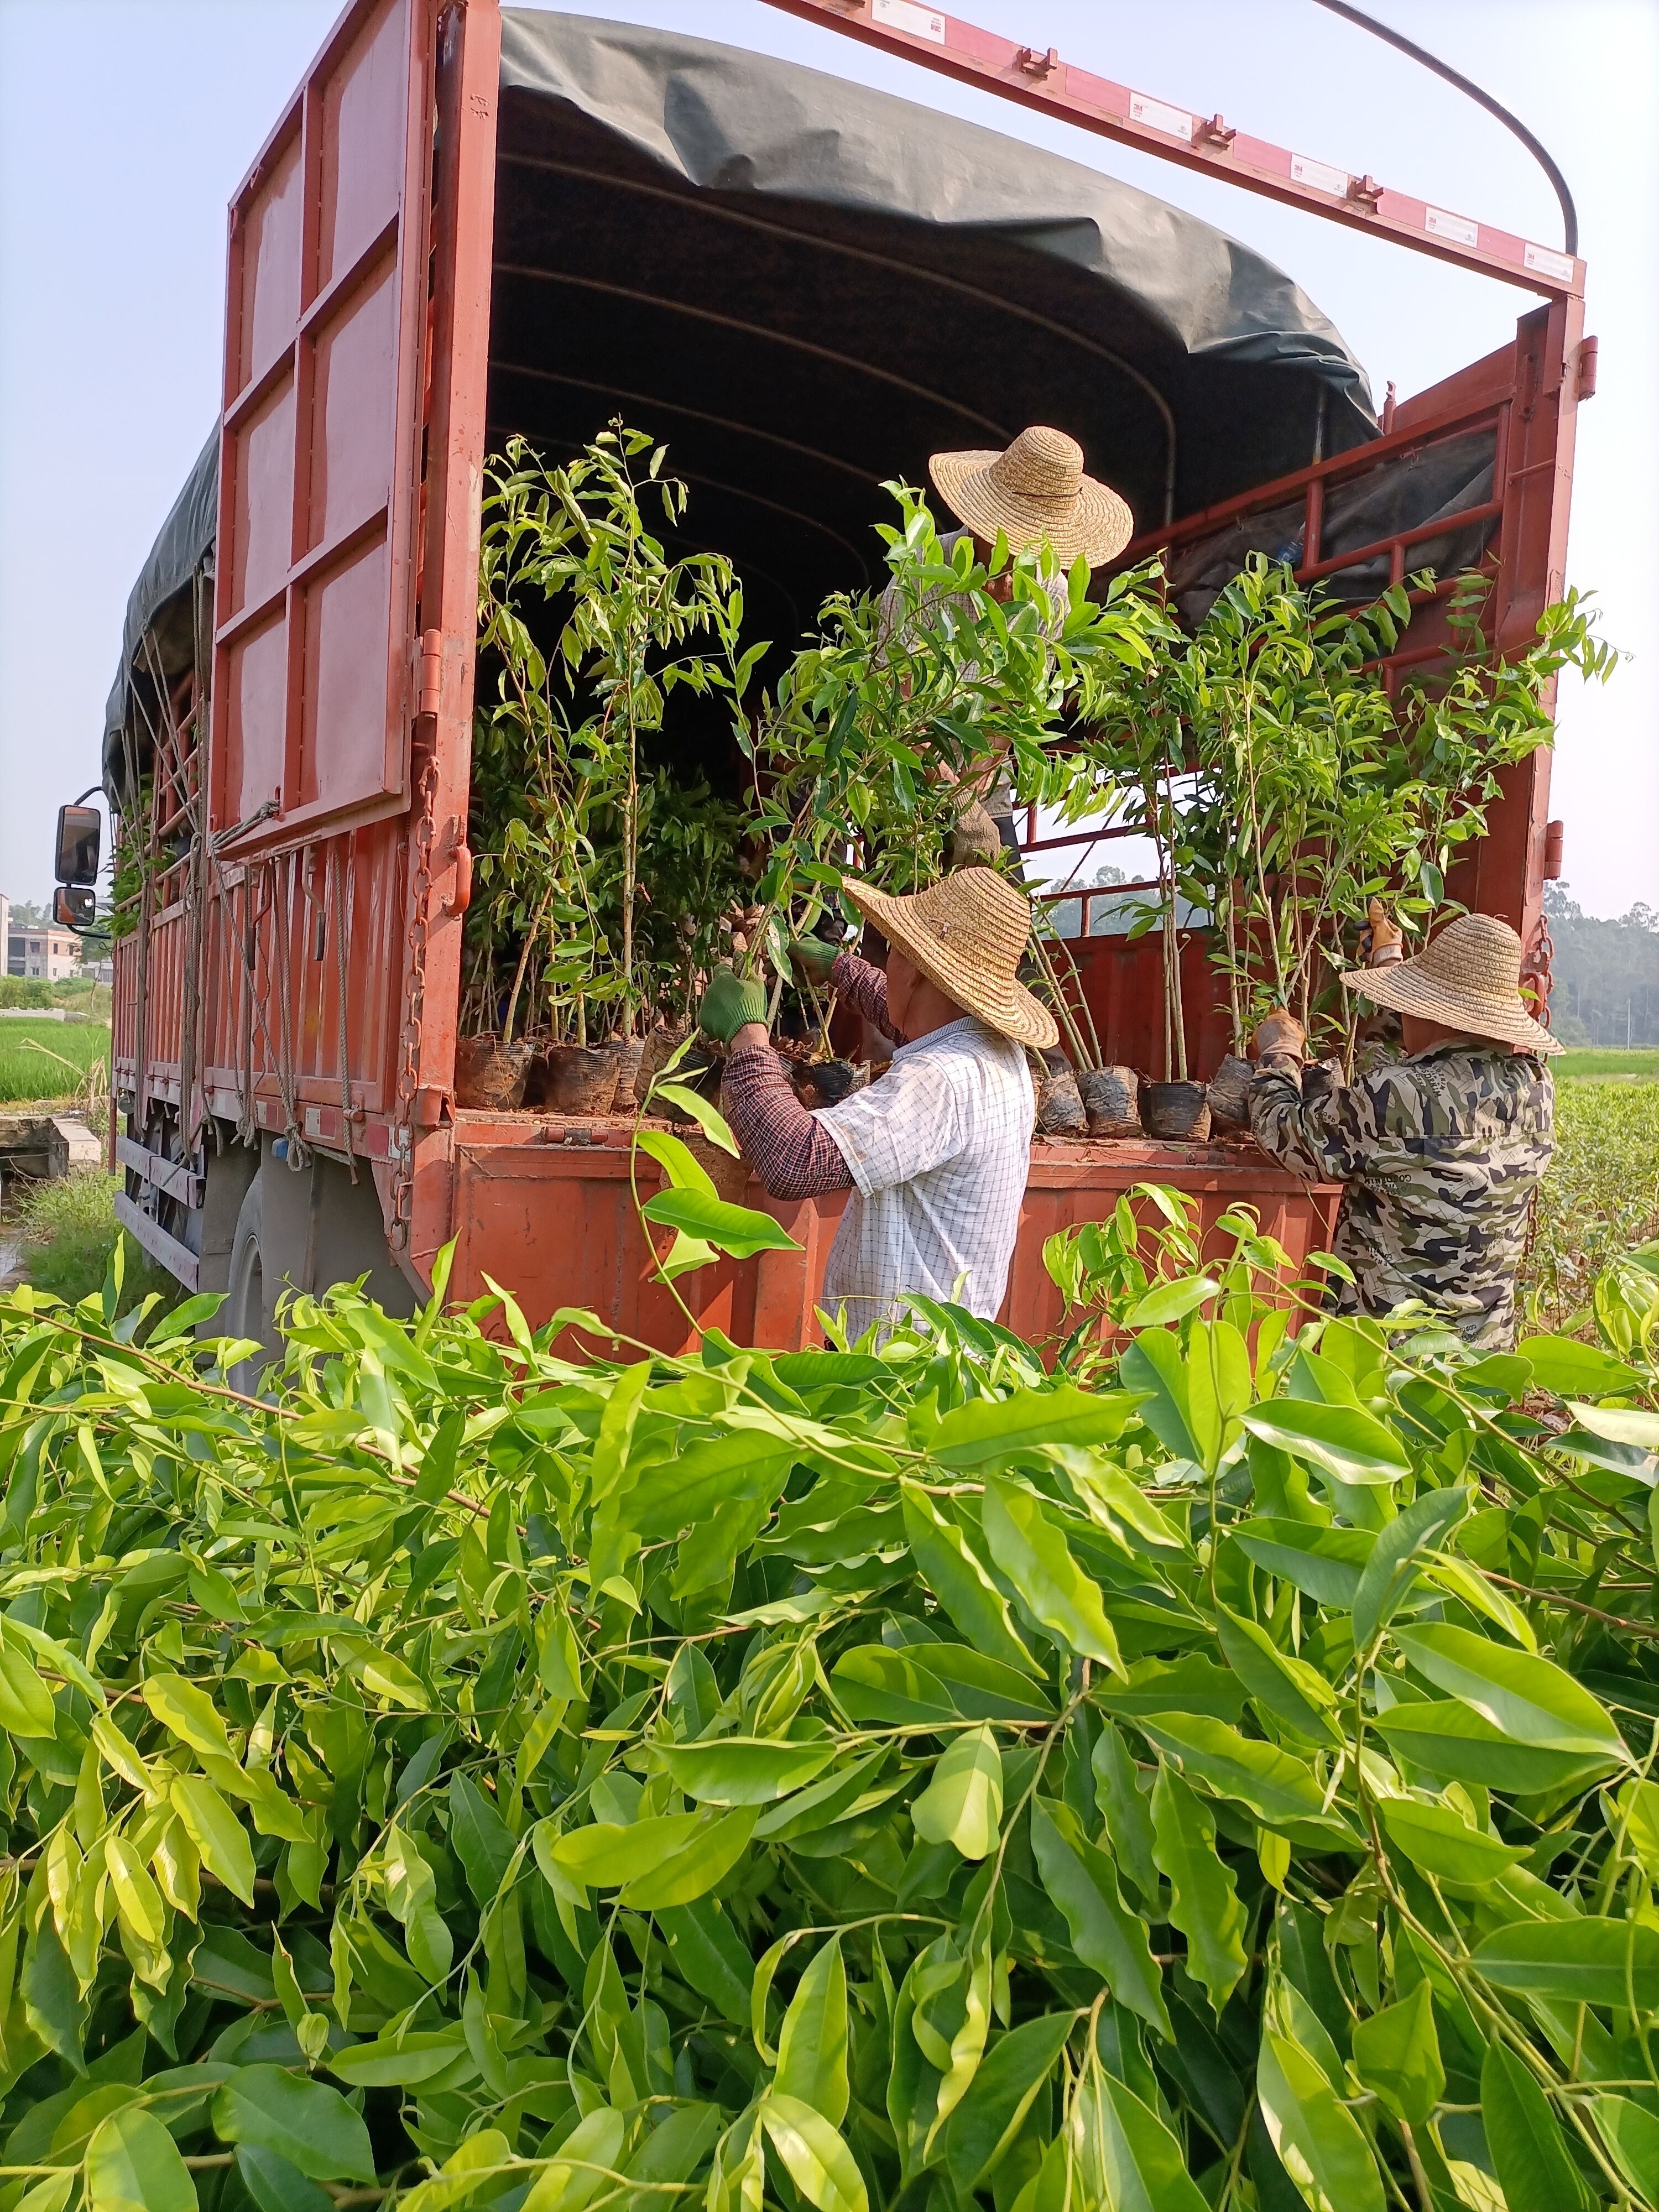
{"type": "Point", "coordinates": [305, 1229]}
{"type": "Point", "coordinates": [246, 1311]}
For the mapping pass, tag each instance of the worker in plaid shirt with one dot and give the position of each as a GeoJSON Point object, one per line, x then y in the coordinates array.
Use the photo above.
{"type": "Point", "coordinates": [936, 1153]}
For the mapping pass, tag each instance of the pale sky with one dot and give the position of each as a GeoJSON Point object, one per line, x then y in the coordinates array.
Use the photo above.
{"type": "Point", "coordinates": [125, 125]}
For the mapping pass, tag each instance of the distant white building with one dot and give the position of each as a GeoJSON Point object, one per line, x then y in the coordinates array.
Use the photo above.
{"type": "Point", "coordinates": [42, 950]}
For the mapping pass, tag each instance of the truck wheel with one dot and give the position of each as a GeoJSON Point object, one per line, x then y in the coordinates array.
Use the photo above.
{"type": "Point", "coordinates": [304, 1231]}
{"type": "Point", "coordinates": [246, 1312]}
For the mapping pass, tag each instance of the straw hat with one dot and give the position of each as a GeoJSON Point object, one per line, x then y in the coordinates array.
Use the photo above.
{"type": "Point", "coordinates": [1035, 490]}
{"type": "Point", "coordinates": [966, 934]}
{"type": "Point", "coordinates": [1469, 978]}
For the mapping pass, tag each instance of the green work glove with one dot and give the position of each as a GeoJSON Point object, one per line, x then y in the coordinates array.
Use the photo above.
{"type": "Point", "coordinates": [728, 1003]}
{"type": "Point", "coordinates": [812, 958]}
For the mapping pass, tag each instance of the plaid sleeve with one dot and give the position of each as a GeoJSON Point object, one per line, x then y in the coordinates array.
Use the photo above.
{"type": "Point", "coordinates": [1322, 1137]}
{"type": "Point", "coordinates": [793, 1155]}
{"type": "Point", "coordinates": [864, 987]}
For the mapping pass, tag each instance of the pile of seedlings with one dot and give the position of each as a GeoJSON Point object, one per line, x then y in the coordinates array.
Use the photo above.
{"type": "Point", "coordinates": [610, 881]}
{"type": "Point", "coordinates": [653, 792]}
{"type": "Point", "coordinates": [1187, 1767]}
{"type": "Point", "coordinates": [1298, 806]}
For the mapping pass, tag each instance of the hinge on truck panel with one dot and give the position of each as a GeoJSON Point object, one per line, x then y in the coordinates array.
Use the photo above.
{"type": "Point", "coordinates": [432, 668]}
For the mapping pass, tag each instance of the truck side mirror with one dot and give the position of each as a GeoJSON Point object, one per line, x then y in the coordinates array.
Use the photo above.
{"type": "Point", "coordinates": [74, 909]}
{"type": "Point", "coordinates": [80, 834]}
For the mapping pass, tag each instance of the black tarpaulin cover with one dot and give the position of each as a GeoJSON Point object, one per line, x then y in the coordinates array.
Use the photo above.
{"type": "Point", "coordinates": [184, 539]}
{"type": "Point", "coordinates": [805, 286]}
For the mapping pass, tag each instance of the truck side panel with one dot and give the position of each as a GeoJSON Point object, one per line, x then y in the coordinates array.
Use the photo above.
{"type": "Point", "coordinates": [320, 447]}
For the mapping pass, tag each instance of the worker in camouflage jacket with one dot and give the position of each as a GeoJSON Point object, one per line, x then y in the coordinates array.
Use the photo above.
{"type": "Point", "coordinates": [1439, 1152]}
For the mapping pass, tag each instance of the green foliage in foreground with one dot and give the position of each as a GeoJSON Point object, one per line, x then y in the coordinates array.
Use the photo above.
{"type": "Point", "coordinates": [479, 1777]}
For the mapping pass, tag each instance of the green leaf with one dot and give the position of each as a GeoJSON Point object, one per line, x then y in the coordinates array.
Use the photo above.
{"type": "Point", "coordinates": [1396, 2055]}
{"type": "Point", "coordinates": [1525, 1697]}
{"type": "Point", "coordinates": [131, 2160]}
{"type": "Point", "coordinates": [614, 1439]}
{"type": "Point", "coordinates": [736, 1229]}
{"type": "Point", "coordinates": [1580, 1961]}
{"type": "Point", "coordinates": [1325, 1563]}
{"type": "Point", "coordinates": [1170, 1302]}
{"type": "Point", "coordinates": [1620, 1425]}
{"type": "Point", "coordinates": [962, 1803]}
{"type": "Point", "coordinates": [893, 1687]}
{"type": "Point", "coordinates": [1390, 1571]}
{"type": "Point", "coordinates": [813, 2045]}
{"type": "Point", "coordinates": [1205, 1906]}
{"type": "Point", "coordinates": [987, 1429]}
{"type": "Point", "coordinates": [672, 2152]}
{"type": "Point", "coordinates": [1319, 2141]}
{"type": "Point", "coordinates": [1129, 2160]}
{"type": "Point", "coordinates": [1438, 1838]}
{"type": "Point", "coordinates": [188, 1712]}
{"type": "Point", "coordinates": [1344, 1442]}
{"type": "Point", "coordinates": [748, 1465]}
{"type": "Point", "coordinates": [25, 1705]}
{"type": "Point", "coordinates": [979, 2132]}
{"type": "Point", "coordinates": [474, 2166]}
{"type": "Point", "coordinates": [482, 1841]}
{"type": "Point", "coordinates": [277, 2186]}
{"type": "Point", "coordinates": [708, 1956]}
{"type": "Point", "coordinates": [1450, 1740]}
{"type": "Point", "coordinates": [1292, 1691]}
{"type": "Point", "coordinates": [742, 1770]}
{"type": "Point", "coordinates": [1534, 2169]}
{"type": "Point", "coordinates": [397, 2062]}
{"type": "Point", "coordinates": [697, 1866]}
{"type": "Point", "coordinates": [307, 2123]}
{"type": "Point", "coordinates": [960, 1584]}
{"type": "Point", "coordinates": [822, 1802]}
{"type": "Point", "coordinates": [1031, 1549]}
{"type": "Point", "coordinates": [1124, 1808]}
{"type": "Point", "coordinates": [1277, 1787]}
{"type": "Point", "coordinates": [812, 2154]}
{"type": "Point", "coordinates": [1631, 2132]}
{"type": "Point", "coordinates": [605, 1855]}
{"type": "Point", "coordinates": [1575, 1369]}
{"type": "Point", "coordinates": [572, 2180]}
{"type": "Point", "coordinates": [1082, 1881]}
{"type": "Point", "coordinates": [216, 1833]}
{"type": "Point", "coordinates": [1155, 1366]}
{"type": "Point", "coordinates": [708, 1118]}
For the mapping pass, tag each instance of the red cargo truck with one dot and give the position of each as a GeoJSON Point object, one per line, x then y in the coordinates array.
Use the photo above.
{"type": "Point", "coordinates": [468, 223]}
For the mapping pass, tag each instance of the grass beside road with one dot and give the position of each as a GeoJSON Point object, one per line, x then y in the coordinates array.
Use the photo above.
{"type": "Point", "coordinates": [70, 1233]}
{"type": "Point", "coordinates": [33, 1057]}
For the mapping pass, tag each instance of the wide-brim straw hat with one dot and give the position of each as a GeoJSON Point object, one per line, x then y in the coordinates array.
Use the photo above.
{"type": "Point", "coordinates": [966, 934]}
{"type": "Point", "coordinates": [1035, 490]}
{"type": "Point", "coordinates": [1469, 978]}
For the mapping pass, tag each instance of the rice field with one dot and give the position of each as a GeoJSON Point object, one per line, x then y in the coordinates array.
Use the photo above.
{"type": "Point", "coordinates": [1588, 1066]}
{"type": "Point", "coordinates": [1600, 1196]}
{"type": "Point", "coordinates": [34, 1057]}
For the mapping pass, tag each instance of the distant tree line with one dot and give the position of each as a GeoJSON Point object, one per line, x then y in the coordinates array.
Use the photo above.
{"type": "Point", "coordinates": [1607, 973]}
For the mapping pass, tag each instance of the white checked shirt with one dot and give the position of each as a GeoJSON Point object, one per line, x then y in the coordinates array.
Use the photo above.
{"type": "Point", "coordinates": [938, 1149]}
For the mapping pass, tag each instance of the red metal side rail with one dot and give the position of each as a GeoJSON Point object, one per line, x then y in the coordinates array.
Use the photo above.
{"type": "Point", "coordinates": [1039, 79]}
{"type": "Point", "coordinates": [562, 1211]}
